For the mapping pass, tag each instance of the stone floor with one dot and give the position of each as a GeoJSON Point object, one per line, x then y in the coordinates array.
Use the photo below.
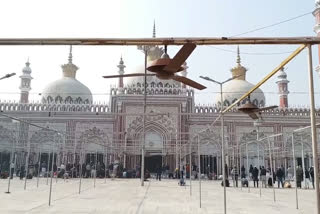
{"type": "Point", "coordinates": [127, 196]}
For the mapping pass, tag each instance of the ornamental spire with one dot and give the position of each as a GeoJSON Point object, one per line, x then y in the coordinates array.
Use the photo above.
{"type": "Point", "coordinates": [154, 29]}
{"type": "Point", "coordinates": [238, 56]}
{"type": "Point", "coordinates": [239, 72]}
{"type": "Point", "coordinates": [70, 55]}
{"type": "Point", "coordinates": [69, 70]}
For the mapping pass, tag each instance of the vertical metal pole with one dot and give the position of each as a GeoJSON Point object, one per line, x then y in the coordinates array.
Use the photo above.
{"type": "Point", "coordinates": [50, 192]}
{"type": "Point", "coordinates": [81, 160]}
{"type": "Point", "coordinates": [190, 166]}
{"type": "Point", "coordinates": [27, 165]}
{"type": "Point", "coordinates": [258, 144]}
{"type": "Point", "coordinates": [39, 163]}
{"type": "Point", "coordinates": [11, 161]}
{"type": "Point", "coordinates": [248, 167]}
{"type": "Point", "coordinates": [48, 165]}
{"type": "Point", "coordinates": [64, 154]}
{"type": "Point", "coordinates": [303, 164]}
{"type": "Point", "coordinates": [295, 168]}
{"type": "Point", "coordinates": [180, 158]}
{"type": "Point", "coordinates": [144, 116]}
{"type": "Point", "coordinates": [223, 155]}
{"type": "Point", "coordinates": [177, 158]}
{"type": "Point", "coordinates": [105, 164]}
{"type": "Point", "coordinates": [263, 157]}
{"type": "Point", "coordinates": [313, 129]}
{"type": "Point", "coordinates": [74, 158]}
{"type": "Point", "coordinates": [199, 171]}
{"type": "Point", "coordinates": [95, 169]}
{"type": "Point", "coordinates": [240, 163]}
{"type": "Point", "coordinates": [125, 151]}
{"type": "Point", "coordinates": [57, 159]}
{"type": "Point", "coordinates": [271, 173]}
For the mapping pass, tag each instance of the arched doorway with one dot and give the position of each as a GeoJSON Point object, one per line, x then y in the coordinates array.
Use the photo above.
{"type": "Point", "coordinates": [154, 148]}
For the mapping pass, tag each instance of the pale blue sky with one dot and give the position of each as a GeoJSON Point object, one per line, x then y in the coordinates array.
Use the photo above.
{"type": "Point", "coordinates": [131, 19]}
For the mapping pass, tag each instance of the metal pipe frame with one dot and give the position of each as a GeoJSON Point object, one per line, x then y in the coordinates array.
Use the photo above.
{"type": "Point", "coordinates": [162, 41]}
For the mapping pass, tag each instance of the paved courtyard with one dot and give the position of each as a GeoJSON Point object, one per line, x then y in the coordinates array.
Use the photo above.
{"type": "Point", "coordinates": [127, 196]}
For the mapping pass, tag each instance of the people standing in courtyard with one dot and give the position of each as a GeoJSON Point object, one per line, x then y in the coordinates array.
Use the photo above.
{"type": "Point", "coordinates": [177, 173]}
{"type": "Point", "coordinates": [188, 171]}
{"type": "Point", "coordinates": [263, 174]}
{"type": "Point", "coordinates": [255, 175]}
{"type": "Point", "coordinates": [307, 176]}
{"type": "Point", "coordinates": [22, 171]}
{"type": "Point", "coordinates": [43, 167]}
{"type": "Point", "coordinates": [250, 171]}
{"type": "Point", "coordinates": [290, 173]}
{"type": "Point", "coordinates": [36, 169]}
{"type": "Point", "coordinates": [83, 169]}
{"type": "Point", "coordinates": [11, 170]}
{"type": "Point", "coordinates": [269, 177]}
{"type": "Point", "coordinates": [243, 172]}
{"type": "Point", "coordinates": [279, 176]}
{"type": "Point", "coordinates": [311, 171]}
{"type": "Point", "coordinates": [235, 175]}
{"type": "Point", "coordinates": [194, 171]}
{"type": "Point", "coordinates": [283, 173]}
{"type": "Point", "coordinates": [98, 170]}
{"type": "Point", "coordinates": [88, 170]}
{"type": "Point", "coordinates": [299, 178]}
{"type": "Point", "coordinates": [159, 171]}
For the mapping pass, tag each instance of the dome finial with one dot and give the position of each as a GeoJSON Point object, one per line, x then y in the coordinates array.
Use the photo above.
{"type": "Point", "coordinates": [28, 62]}
{"type": "Point", "coordinates": [238, 56]}
{"type": "Point", "coordinates": [154, 29]}
{"type": "Point", "coordinates": [121, 60]}
{"type": "Point", "coordinates": [70, 55]}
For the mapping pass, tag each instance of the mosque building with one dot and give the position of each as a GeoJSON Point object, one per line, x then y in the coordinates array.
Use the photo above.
{"type": "Point", "coordinates": [174, 124]}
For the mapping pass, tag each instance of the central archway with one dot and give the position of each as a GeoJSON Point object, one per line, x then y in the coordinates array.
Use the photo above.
{"type": "Point", "coordinates": [154, 149]}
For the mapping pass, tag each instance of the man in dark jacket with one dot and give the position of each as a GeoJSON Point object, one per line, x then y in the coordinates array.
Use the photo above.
{"type": "Point", "coordinates": [159, 171]}
{"type": "Point", "coordinates": [255, 174]}
{"type": "Point", "coordinates": [299, 178]}
{"type": "Point", "coordinates": [263, 173]}
{"type": "Point", "coordinates": [312, 176]}
{"type": "Point", "coordinates": [243, 172]}
{"type": "Point", "coordinates": [250, 171]}
{"type": "Point", "coordinates": [279, 175]}
{"type": "Point", "coordinates": [22, 172]}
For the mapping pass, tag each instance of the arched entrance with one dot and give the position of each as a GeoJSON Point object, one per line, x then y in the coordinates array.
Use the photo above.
{"type": "Point", "coordinates": [154, 148]}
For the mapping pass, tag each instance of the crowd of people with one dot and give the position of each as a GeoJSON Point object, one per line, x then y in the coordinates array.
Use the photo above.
{"type": "Point", "coordinates": [268, 178]}
{"type": "Point", "coordinates": [280, 177]}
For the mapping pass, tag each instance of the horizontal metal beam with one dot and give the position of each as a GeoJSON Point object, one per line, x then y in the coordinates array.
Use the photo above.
{"type": "Point", "coordinates": [162, 41]}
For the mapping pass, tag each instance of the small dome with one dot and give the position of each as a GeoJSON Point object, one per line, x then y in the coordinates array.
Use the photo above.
{"type": "Point", "coordinates": [234, 89]}
{"type": "Point", "coordinates": [27, 69]}
{"type": "Point", "coordinates": [282, 74]}
{"type": "Point", "coordinates": [67, 90]}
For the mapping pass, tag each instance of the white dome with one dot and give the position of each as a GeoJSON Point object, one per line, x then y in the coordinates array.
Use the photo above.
{"type": "Point", "coordinates": [234, 89]}
{"type": "Point", "coordinates": [67, 89]}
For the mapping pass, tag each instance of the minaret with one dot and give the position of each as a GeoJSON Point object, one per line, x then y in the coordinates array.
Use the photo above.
{"type": "Point", "coordinates": [25, 85]}
{"type": "Point", "coordinates": [316, 28]}
{"type": "Point", "coordinates": [283, 89]}
{"type": "Point", "coordinates": [239, 71]}
{"type": "Point", "coordinates": [121, 67]}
